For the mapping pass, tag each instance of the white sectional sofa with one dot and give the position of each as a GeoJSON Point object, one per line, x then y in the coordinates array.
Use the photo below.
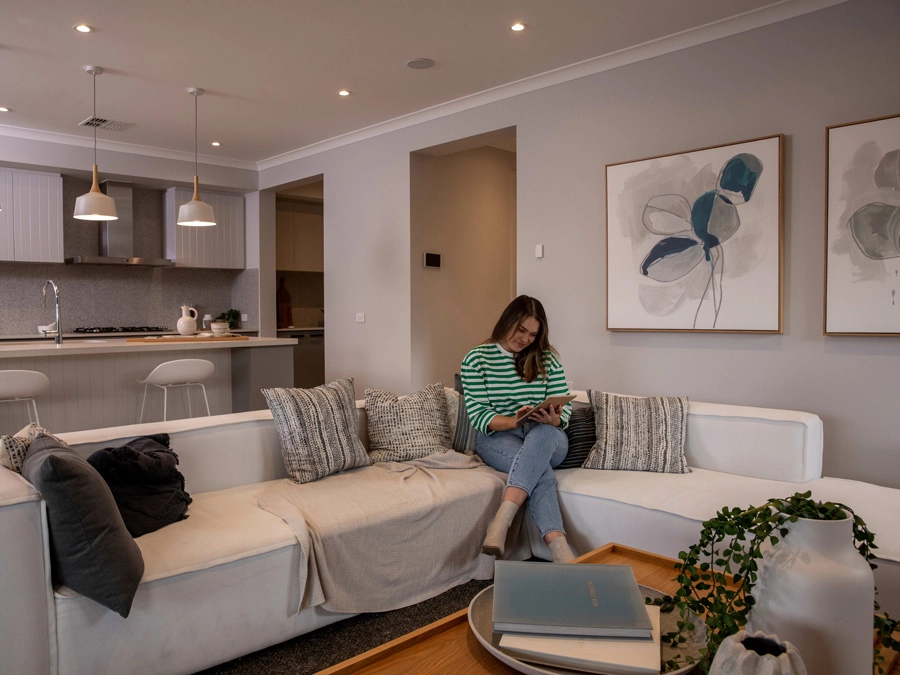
{"type": "Point", "coordinates": [229, 579]}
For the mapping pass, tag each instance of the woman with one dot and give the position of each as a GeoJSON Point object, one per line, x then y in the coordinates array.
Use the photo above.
{"type": "Point", "coordinates": [504, 379]}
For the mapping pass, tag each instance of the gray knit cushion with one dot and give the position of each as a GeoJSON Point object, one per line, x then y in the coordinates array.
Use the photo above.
{"type": "Point", "coordinates": [406, 428]}
{"type": "Point", "coordinates": [317, 428]}
{"type": "Point", "coordinates": [638, 434]}
{"type": "Point", "coordinates": [14, 448]}
{"type": "Point", "coordinates": [91, 551]}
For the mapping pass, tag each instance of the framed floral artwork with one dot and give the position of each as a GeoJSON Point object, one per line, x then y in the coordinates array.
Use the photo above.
{"type": "Point", "coordinates": [694, 240]}
{"type": "Point", "coordinates": [862, 244]}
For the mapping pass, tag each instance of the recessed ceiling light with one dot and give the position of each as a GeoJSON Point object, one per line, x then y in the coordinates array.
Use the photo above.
{"type": "Point", "coordinates": [83, 28]}
{"type": "Point", "coordinates": [4, 109]}
{"type": "Point", "coordinates": [518, 26]}
{"type": "Point", "coordinates": [420, 63]}
{"type": "Point", "coordinates": [343, 92]}
{"type": "Point", "coordinates": [215, 144]}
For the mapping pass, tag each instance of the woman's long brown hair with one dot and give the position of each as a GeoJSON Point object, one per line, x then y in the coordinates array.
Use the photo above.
{"type": "Point", "coordinates": [530, 361]}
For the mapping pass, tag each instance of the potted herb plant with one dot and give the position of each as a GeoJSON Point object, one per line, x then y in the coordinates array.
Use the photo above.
{"type": "Point", "coordinates": [717, 575]}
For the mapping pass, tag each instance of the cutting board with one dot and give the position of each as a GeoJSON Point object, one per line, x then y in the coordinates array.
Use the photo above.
{"type": "Point", "coordinates": [167, 339]}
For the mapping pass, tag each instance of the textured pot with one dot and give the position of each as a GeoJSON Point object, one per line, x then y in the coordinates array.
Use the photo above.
{"type": "Point", "coordinates": [817, 592]}
{"type": "Point", "coordinates": [756, 654]}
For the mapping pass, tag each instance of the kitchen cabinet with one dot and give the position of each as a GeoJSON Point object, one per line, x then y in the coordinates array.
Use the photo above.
{"type": "Point", "coordinates": [221, 246]}
{"type": "Point", "coordinates": [31, 222]}
{"type": "Point", "coordinates": [299, 237]}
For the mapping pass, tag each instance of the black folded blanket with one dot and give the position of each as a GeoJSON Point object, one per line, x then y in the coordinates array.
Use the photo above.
{"type": "Point", "coordinates": [147, 486]}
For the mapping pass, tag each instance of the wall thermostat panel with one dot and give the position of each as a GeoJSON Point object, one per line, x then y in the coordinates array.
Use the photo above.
{"type": "Point", "coordinates": [431, 260]}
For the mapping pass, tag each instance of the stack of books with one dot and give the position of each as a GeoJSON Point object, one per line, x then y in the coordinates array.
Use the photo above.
{"type": "Point", "coordinates": [590, 618]}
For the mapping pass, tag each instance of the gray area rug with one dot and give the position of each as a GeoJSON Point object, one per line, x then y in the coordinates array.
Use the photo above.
{"type": "Point", "coordinates": [332, 644]}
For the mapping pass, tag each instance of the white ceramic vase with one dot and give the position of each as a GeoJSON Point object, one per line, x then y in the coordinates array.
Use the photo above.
{"type": "Point", "coordinates": [187, 324]}
{"type": "Point", "coordinates": [756, 654]}
{"type": "Point", "coordinates": [817, 592]}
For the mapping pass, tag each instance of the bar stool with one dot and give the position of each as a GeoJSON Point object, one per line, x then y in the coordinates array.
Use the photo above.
{"type": "Point", "coordinates": [178, 373]}
{"type": "Point", "coordinates": [23, 385]}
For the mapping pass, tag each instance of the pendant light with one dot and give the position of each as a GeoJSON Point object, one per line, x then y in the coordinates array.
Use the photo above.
{"type": "Point", "coordinates": [94, 205]}
{"type": "Point", "coordinates": [196, 212]}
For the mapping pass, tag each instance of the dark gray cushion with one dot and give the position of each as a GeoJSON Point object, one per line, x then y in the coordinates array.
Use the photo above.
{"type": "Point", "coordinates": [464, 434]}
{"type": "Point", "coordinates": [91, 551]}
{"type": "Point", "coordinates": [581, 434]}
{"type": "Point", "coordinates": [317, 428]}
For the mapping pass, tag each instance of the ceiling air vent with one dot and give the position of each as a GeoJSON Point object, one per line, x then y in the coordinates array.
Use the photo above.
{"type": "Point", "coordinates": [101, 123]}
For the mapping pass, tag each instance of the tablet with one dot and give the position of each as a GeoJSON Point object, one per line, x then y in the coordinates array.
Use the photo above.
{"type": "Point", "coordinates": [550, 400]}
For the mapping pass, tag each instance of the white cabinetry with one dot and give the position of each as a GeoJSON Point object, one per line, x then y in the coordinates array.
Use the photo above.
{"type": "Point", "coordinates": [31, 223]}
{"type": "Point", "coordinates": [220, 246]}
{"type": "Point", "coordinates": [299, 237]}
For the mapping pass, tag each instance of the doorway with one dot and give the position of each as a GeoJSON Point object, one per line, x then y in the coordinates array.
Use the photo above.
{"type": "Point", "coordinates": [300, 276]}
{"type": "Point", "coordinates": [463, 209]}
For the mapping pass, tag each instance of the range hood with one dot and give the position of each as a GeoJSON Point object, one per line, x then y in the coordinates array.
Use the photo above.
{"type": "Point", "coordinates": [117, 236]}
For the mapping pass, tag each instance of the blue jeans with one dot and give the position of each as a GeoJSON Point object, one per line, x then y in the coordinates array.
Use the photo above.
{"type": "Point", "coordinates": [529, 454]}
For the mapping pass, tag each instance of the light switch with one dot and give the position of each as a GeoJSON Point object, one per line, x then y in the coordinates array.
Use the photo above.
{"type": "Point", "coordinates": [244, 317]}
{"type": "Point", "coordinates": [539, 251]}
{"type": "Point", "coordinates": [360, 317]}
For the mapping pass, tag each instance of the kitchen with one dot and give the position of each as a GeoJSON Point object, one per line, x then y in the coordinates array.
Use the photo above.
{"type": "Point", "coordinates": [96, 297]}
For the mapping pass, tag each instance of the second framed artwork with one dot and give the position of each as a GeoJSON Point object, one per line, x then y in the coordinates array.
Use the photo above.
{"type": "Point", "coordinates": [694, 240]}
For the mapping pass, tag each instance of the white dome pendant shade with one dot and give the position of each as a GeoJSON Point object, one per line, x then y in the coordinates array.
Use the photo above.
{"type": "Point", "coordinates": [94, 205]}
{"type": "Point", "coordinates": [196, 213]}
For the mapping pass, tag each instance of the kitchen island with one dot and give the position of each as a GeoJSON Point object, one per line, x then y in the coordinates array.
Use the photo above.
{"type": "Point", "coordinates": [94, 381]}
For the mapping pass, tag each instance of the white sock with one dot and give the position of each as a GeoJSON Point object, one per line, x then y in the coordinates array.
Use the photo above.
{"type": "Point", "coordinates": [559, 549]}
{"type": "Point", "coordinates": [495, 539]}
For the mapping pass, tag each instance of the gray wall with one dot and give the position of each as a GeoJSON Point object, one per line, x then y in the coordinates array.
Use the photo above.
{"type": "Point", "coordinates": [829, 67]}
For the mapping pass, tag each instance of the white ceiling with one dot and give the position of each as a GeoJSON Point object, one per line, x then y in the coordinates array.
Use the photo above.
{"type": "Point", "coordinates": [272, 68]}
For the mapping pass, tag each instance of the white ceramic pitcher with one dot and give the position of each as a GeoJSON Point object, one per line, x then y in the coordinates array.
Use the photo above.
{"type": "Point", "coordinates": [187, 324]}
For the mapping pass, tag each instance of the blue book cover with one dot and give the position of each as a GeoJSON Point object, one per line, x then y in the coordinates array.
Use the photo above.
{"type": "Point", "coordinates": [554, 599]}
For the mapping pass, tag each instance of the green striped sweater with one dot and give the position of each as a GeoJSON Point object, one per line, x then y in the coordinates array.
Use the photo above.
{"type": "Point", "coordinates": [492, 386]}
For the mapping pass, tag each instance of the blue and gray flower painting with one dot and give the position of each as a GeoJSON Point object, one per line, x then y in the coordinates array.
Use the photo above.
{"type": "Point", "coordinates": [876, 226]}
{"type": "Point", "coordinates": [694, 234]}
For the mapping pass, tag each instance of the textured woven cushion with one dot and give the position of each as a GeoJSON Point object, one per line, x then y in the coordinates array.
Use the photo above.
{"type": "Point", "coordinates": [91, 551]}
{"type": "Point", "coordinates": [464, 433]}
{"type": "Point", "coordinates": [14, 448]}
{"type": "Point", "coordinates": [638, 434]}
{"type": "Point", "coordinates": [317, 428]}
{"type": "Point", "coordinates": [581, 434]}
{"type": "Point", "coordinates": [407, 428]}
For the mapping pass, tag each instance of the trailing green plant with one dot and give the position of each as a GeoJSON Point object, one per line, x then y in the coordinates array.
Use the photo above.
{"type": "Point", "coordinates": [732, 543]}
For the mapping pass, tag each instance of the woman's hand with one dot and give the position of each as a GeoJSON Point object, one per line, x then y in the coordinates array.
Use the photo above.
{"type": "Point", "coordinates": [548, 415]}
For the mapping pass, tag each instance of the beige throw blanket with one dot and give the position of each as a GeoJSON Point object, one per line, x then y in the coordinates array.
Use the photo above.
{"type": "Point", "coordinates": [388, 535]}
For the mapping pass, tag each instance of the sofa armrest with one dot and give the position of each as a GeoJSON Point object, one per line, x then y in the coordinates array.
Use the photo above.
{"type": "Point", "coordinates": [759, 442]}
{"type": "Point", "coordinates": [26, 596]}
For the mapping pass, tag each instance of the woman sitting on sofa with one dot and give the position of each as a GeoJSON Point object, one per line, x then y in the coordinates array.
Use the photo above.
{"type": "Point", "coordinates": [503, 380]}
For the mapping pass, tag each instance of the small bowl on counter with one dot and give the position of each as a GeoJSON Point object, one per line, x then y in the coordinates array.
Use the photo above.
{"type": "Point", "coordinates": [219, 328]}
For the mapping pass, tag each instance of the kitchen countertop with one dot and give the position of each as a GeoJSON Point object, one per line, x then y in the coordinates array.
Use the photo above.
{"type": "Point", "coordinates": [106, 345]}
{"type": "Point", "coordinates": [300, 329]}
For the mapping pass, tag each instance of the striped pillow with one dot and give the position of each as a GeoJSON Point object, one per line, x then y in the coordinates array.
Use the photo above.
{"type": "Point", "coordinates": [582, 436]}
{"type": "Point", "coordinates": [464, 434]}
{"type": "Point", "coordinates": [407, 428]}
{"type": "Point", "coordinates": [638, 434]}
{"type": "Point", "coordinates": [317, 428]}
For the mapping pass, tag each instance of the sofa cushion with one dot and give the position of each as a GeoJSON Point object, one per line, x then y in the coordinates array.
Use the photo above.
{"type": "Point", "coordinates": [14, 448]}
{"type": "Point", "coordinates": [91, 550]}
{"type": "Point", "coordinates": [317, 428]}
{"type": "Point", "coordinates": [406, 428]}
{"type": "Point", "coordinates": [582, 435]}
{"type": "Point", "coordinates": [638, 433]}
{"type": "Point", "coordinates": [464, 433]}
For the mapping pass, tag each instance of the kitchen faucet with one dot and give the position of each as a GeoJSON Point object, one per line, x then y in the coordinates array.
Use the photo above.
{"type": "Point", "coordinates": [58, 332]}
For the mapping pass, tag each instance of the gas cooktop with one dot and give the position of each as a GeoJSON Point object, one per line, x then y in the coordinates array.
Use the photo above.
{"type": "Point", "coordinates": [121, 329]}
